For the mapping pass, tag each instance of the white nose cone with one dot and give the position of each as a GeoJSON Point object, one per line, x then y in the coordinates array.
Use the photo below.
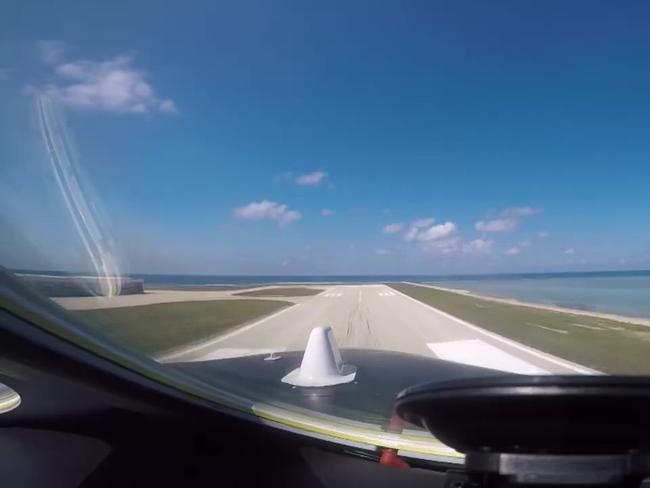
{"type": "Point", "coordinates": [321, 365]}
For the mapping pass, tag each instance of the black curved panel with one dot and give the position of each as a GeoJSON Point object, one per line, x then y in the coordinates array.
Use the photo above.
{"type": "Point", "coordinates": [558, 414]}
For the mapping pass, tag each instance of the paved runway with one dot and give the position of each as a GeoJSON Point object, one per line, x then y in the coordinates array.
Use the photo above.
{"type": "Point", "coordinates": [378, 317]}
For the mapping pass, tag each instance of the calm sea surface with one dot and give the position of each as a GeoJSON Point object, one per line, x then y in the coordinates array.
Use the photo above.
{"type": "Point", "coordinates": [622, 293]}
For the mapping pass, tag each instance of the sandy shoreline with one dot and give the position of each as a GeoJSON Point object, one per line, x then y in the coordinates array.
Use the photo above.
{"type": "Point", "coordinates": [511, 301]}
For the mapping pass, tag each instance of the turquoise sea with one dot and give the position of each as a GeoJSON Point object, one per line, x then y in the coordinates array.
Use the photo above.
{"type": "Point", "coordinates": [625, 293]}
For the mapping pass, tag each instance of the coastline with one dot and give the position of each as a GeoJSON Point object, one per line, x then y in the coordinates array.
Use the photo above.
{"type": "Point", "coordinates": [644, 321]}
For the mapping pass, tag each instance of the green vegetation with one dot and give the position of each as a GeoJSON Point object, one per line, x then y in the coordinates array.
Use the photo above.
{"type": "Point", "coordinates": [154, 329]}
{"type": "Point", "coordinates": [606, 345]}
{"type": "Point", "coordinates": [296, 291]}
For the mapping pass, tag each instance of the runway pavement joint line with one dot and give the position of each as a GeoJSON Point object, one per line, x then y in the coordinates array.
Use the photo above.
{"type": "Point", "coordinates": [545, 356]}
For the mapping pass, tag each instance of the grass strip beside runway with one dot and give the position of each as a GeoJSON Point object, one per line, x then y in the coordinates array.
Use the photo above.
{"type": "Point", "coordinates": [154, 329]}
{"type": "Point", "coordinates": [296, 291]}
{"type": "Point", "coordinates": [606, 345]}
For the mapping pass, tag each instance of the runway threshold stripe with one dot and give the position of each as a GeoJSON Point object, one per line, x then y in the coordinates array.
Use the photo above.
{"type": "Point", "coordinates": [476, 352]}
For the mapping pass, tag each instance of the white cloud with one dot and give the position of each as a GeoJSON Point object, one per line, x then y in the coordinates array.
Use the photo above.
{"type": "Point", "coordinates": [418, 231]}
{"type": "Point", "coordinates": [392, 228]}
{"type": "Point", "coordinates": [478, 246]}
{"type": "Point", "coordinates": [382, 252]}
{"type": "Point", "coordinates": [513, 251]}
{"type": "Point", "coordinates": [326, 212]}
{"type": "Point", "coordinates": [113, 85]}
{"type": "Point", "coordinates": [311, 179]}
{"type": "Point", "coordinates": [51, 51]}
{"type": "Point", "coordinates": [415, 226]}
{"type": "Point", "coordinates": [543, 234]}
{"type": "Point", "coordinates": [411, 234]}
{"type": "Point", "coordinates": [422, 222]}
{"type": "Point", "coordinates": [496, 225]}
{"type": "Point", "coordinates": [507, 220]}
{"type": "Point", "coordinates": [439, 238]}
{"type": "Point", "coordinates": [444, 246]}
{"type": "Point", "coordinates": [437, 232]}
{"type": "Point", "coordinates": [570, 251]}
{"type": "Point", "coordinates": [267, 210]}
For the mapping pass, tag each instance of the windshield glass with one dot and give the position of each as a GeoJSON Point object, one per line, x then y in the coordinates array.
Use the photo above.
{"type": "Point", "coordinates": [308, 207]}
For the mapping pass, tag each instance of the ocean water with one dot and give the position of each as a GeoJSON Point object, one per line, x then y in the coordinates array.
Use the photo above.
{"type": "Point", "coordinates": [625, 293]}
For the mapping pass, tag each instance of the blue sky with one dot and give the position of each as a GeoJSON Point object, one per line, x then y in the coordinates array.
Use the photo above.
{"type": "Point", "coordinates": [333, 137]}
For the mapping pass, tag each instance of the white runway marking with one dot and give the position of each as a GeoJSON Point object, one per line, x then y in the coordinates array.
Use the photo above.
{"type": "Point", "coordinates": [551, 329]}
{"type": "Point", "coordinates": [234, 352]}
{"type": "Point", "coordinates": [585, 326]}
{"type": "Point", "coordinates": [386, 294]}
{"type": "Point", "coordinates": [479, 353]}
{"type": "Point", "coordinates": [332, 295]}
